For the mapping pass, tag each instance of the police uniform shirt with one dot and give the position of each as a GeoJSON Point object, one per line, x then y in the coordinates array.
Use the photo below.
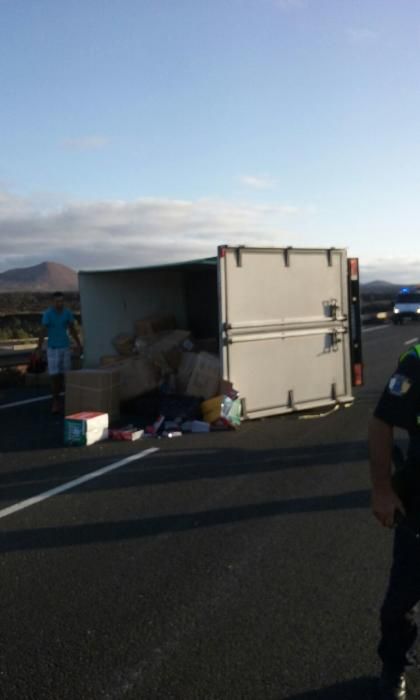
{"type": "Point", "coordinates": [399, 404]}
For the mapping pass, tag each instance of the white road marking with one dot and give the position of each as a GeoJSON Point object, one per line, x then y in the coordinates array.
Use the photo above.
{"type": "Point", "coordinates": [375, 328]}
{"type": "Point", "coordinates": [411, 341]}
{"type": "Point", "coordinates": [76, 482]}
{"type": "Point", "coordinates": [22, 403]}
{"type": "Point", "coordinates": [26, 401]}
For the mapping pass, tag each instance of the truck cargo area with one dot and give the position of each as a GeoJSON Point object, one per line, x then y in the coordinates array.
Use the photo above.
{"type": "Point", "coordinates": [112, 300]}
{"type": "Point", "coordinates": [278, 319]}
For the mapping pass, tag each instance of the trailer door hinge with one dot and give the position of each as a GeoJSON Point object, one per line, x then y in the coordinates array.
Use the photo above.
{"type": "Point", "coordinates": [238, 252]}
{"type": "Point", "coordinates": [335, 340]}
{"type": "Point", "coordinates": [244, 412]}
{"type": "Point", "coordinates": [334, 308]}
{"type": "Point", "coordinates": [286, 255]}
{"type": "Point", "coordinates": [330, 256]}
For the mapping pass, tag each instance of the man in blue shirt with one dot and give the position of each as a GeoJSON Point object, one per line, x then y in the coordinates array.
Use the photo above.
{"type": "Point", "coordinates": [57, 323]}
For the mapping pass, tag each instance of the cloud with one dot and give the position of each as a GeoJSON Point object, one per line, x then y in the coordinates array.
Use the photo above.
{"type": "Point", "coordinates": [86, 143]}
{"type": "Point", "coordinates": [12, 206]}
{"type": "Point", "coordinates": [257, 182]}
{"type": "Point", "coordinates": [126, 233]}
{"type": "Point", "coordinates": [361, 35]}
{"type": "Point", "coordinates": [400, 270]}
{"type": "Point", "coordinates": [122, 233]}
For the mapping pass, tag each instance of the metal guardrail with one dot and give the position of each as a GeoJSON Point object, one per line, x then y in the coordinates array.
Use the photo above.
{"type": "Point", "coordinates": [11, 347]}
{"type": "Point", "coordinates": [14, 359]}
{"type": "Point", "coordinates": [18, 341]}
{"type": "Point", "coordinates": [16, 351]}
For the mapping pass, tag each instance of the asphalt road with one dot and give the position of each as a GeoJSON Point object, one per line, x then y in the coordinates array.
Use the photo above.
{"type": "Point", "coordinates": [240, 566]}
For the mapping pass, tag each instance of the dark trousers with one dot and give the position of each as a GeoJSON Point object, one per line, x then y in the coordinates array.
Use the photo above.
{"type": "Point", "coordinates": [398, 612]}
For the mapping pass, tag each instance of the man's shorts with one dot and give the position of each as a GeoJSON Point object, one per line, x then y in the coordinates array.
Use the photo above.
{"type": "Point", "coordinates": [59, 360]}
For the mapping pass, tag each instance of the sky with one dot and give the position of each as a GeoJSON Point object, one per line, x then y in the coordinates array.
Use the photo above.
{"type": "Point", "coordinates": [143, 131]}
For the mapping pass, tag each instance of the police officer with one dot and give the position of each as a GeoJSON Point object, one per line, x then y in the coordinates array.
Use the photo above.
{"type": "Point", "coordinates": [398, 406]}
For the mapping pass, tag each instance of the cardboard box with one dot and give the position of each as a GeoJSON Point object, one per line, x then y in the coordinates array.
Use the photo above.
{"type": "Point", "coordinates": [164, 350]}
{"type": "Point", "coordinates": [95, 390]}
{"type": "Point", "coordinates": [154, 324]}
{"type": "Point", "coordinates": [138, 376]}
{"type": "Point", "coordinates": [110, 360]}
{"type": "Point", "coordinates": [124, 344]}
{"type": "Point", "coordinates": [126, 434]}
{"type": "Point", "coordinates": [227, 389]}
{"type": "Point", "coordinates": [205, 378]}
{"type": "Point", "coordinates": [85, 428]}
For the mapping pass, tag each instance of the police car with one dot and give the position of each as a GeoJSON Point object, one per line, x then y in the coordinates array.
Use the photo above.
{"type": "Point", "coordinates": [407, 305]}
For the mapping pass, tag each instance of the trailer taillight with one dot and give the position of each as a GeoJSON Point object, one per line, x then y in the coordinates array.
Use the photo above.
{"type": "Point", "coordinates": [355, 322]}
{"type": "Point", "coordinates": [354, 269]}
{"type": "Point", "coordinates": [358, 374]}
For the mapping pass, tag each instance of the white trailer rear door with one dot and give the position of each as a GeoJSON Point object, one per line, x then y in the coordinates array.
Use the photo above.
{"type": "Point", "coordinates": [285, 328]}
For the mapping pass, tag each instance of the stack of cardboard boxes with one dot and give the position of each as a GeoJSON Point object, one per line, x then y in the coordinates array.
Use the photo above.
{"type": "Point", "coordinates": [156, 353]}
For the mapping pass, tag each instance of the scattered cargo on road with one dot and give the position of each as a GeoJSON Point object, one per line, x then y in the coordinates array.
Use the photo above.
{"type": "Point", "coordinates": [86, 428]}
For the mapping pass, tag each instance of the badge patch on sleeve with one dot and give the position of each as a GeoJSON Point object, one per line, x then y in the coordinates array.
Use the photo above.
{"type": "Point", "coordinates": [399, 385]}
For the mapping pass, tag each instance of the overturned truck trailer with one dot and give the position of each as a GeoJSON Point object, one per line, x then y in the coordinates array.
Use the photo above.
{"type": "Point", "coordinates": [287, 320]}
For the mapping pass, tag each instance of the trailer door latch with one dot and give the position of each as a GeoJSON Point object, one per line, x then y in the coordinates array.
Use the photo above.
{"type": "Point", "coordinates": [334, 308]}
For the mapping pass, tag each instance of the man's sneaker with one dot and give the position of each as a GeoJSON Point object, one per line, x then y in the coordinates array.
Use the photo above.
{"type": "Point", "coordinates": [392, 686]}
